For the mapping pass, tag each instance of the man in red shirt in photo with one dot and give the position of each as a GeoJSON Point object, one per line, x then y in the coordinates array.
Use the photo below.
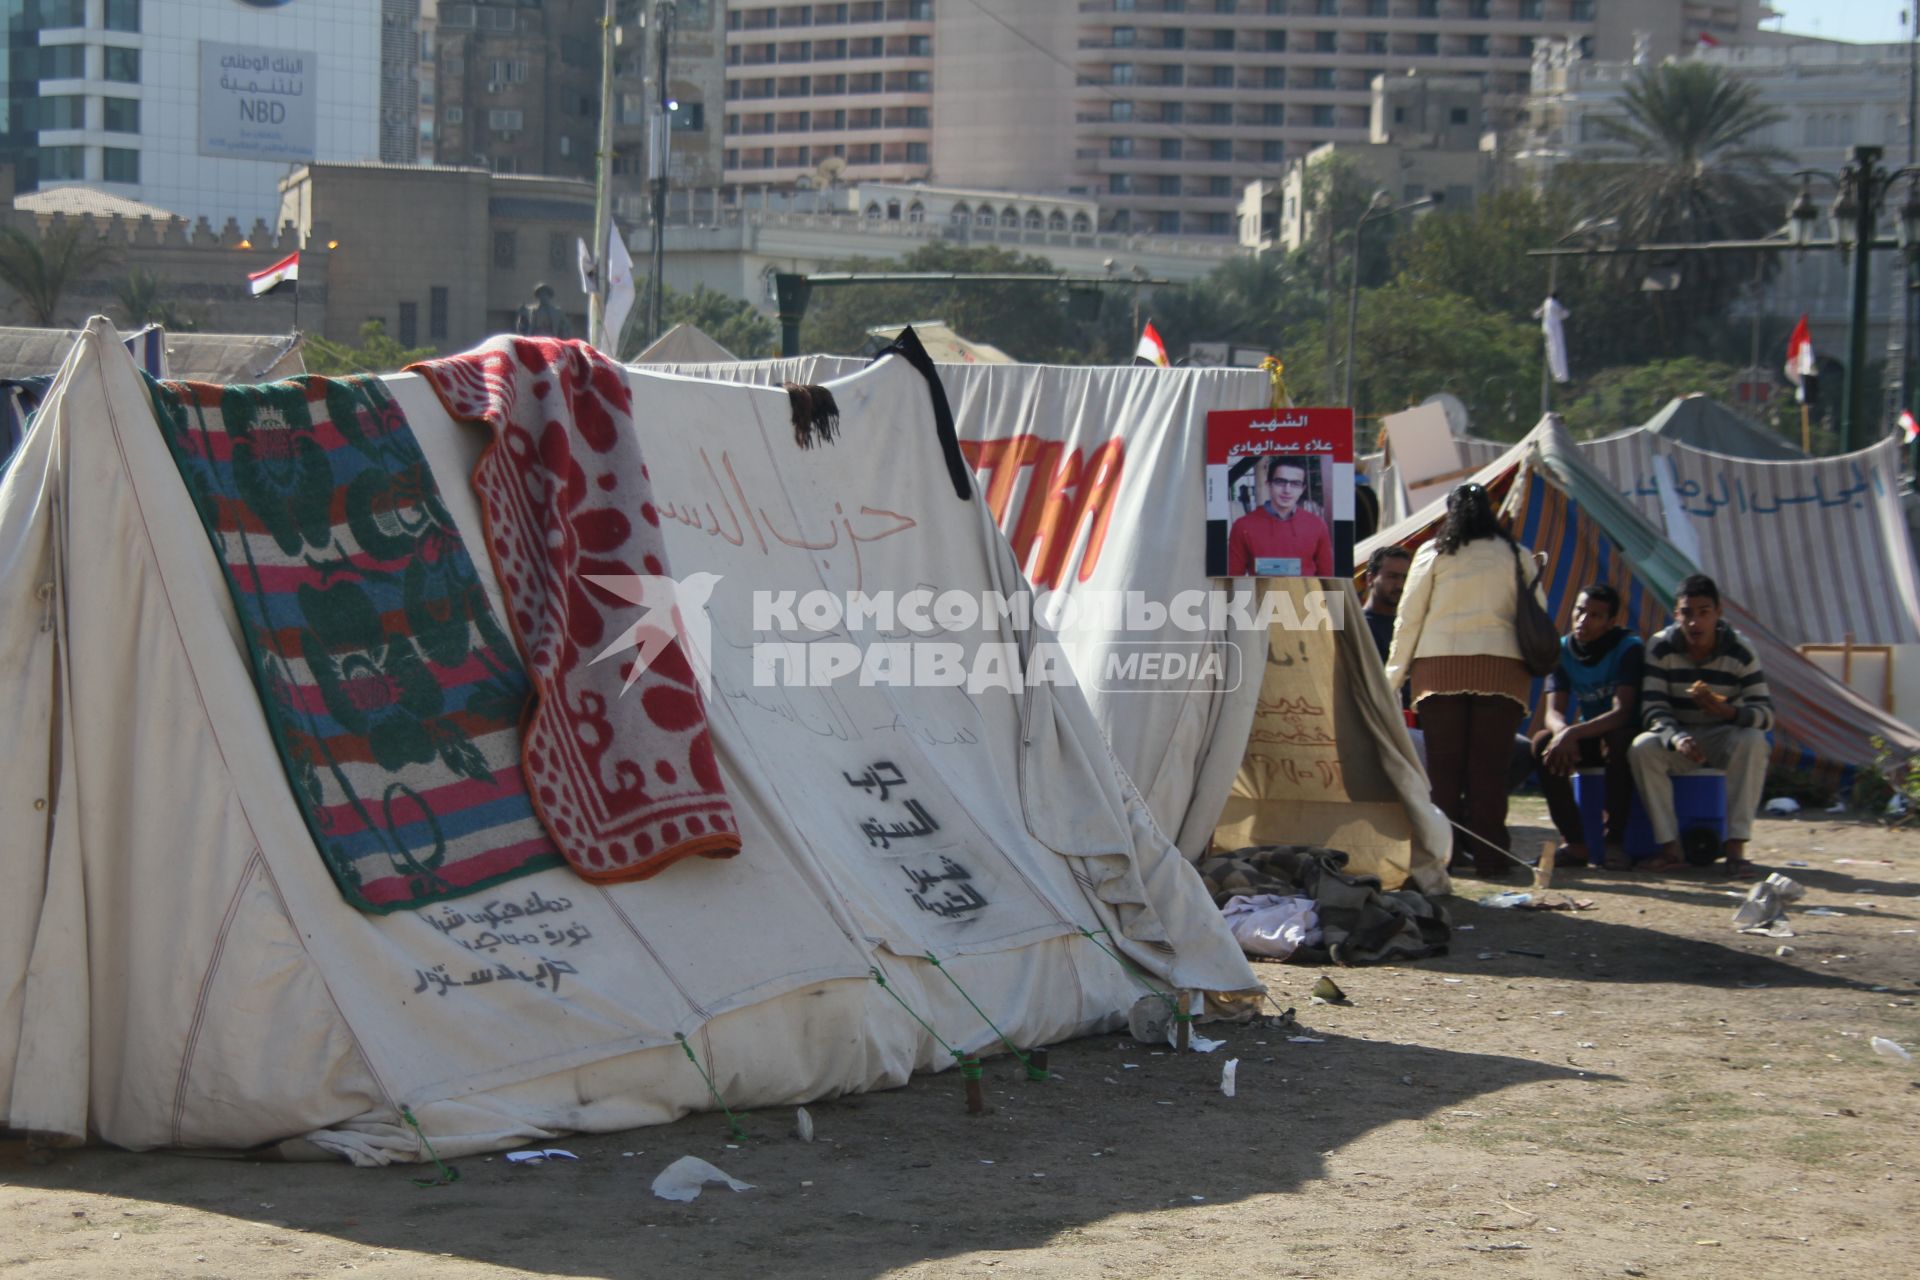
{"type": "Point", "coordinates": [1278, 539]}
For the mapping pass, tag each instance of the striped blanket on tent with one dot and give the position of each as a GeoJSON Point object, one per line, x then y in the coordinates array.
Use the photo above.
{"type": "Point", "coordinates": [1557, 503]}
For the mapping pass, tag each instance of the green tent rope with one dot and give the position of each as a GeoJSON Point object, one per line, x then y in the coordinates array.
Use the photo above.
{"type": "Point", "coordinates": [1172, 1003]}
{"type": "Point", "coordinates": [733, 1124]}
{"type": "Point", "coordinates": [957, 1055]}
{"type": "Point", "coordinates": [447, 1172]}
{"type": "Point", "coordinates": [1033, 1072]}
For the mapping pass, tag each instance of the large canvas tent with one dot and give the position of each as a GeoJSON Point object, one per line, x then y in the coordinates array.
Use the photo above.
{"type": "Point", "coordinates": [178, 969]}
{"type": "Point", "coordinates": [1561, 504]}
{"type": "Point", "coordinates": [1096, 477]}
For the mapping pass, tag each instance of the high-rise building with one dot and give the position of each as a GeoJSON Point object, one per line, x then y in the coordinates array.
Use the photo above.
{"type": "Point", "coordinates": [1164, 109]}
{"type": "Point", "coordinates": [517, 85]}
{"type": "Point", "coordinates": [197, 106]}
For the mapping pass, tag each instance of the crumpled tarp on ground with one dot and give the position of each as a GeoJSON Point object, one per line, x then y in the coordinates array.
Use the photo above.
{"type": "Point", "coordinates": [1360, 923]}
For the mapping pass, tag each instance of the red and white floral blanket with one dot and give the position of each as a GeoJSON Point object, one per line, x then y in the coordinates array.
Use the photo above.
{"type": "Point", "coordinates": [619, 764]}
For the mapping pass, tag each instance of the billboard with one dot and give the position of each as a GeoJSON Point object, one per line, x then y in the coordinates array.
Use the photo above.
{"type": "Point", "coordinates": [257, 102]}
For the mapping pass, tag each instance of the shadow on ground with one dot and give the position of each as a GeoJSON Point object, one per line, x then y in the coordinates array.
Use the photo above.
{"type": "Point", "coordinates": [895, 1178]}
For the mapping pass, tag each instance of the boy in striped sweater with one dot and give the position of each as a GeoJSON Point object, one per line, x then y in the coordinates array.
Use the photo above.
{"type": "Point", "coordinates": [1705, 705]}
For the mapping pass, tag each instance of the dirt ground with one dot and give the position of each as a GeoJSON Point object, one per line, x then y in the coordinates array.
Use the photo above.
{"type": "Point", "coordinates": [1632, 1090]}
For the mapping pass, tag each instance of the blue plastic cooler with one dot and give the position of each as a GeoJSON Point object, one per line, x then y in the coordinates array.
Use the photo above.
{"type": "Point", "coordinates": [1699, 800]}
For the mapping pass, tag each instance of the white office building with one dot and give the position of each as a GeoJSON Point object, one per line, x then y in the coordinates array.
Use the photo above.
{"type": "Point", "coordinates": [198, 106]}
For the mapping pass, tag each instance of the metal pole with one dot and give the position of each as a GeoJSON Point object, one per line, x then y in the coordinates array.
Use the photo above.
{"type": "Point", "coordinates": [659, 149]}
{"type": "Point", "coordinates": [603, 187]}
{"type": "Point", "coordinates": [1853, 427]}
{"type": "Point", "coordinates": [1546, 365]}
{"type": "Point", "coordinates": [1909, 300]}
{"type": "Point", "coordinates": [1353, 302]}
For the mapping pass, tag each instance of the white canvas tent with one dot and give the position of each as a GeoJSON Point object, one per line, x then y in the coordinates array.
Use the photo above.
{"type": "Point", "coordinates": [1062, 451]}
{"type": "Point", "coordinates": [684, 344]}
{"type": "Point", "coordinates": [178, 969]}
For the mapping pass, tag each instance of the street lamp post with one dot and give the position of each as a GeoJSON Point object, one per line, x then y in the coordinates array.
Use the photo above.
{"type": "Point", "coordinates": [1382, 203]}
{"type": "Point", "coordinates": [1860, 191]}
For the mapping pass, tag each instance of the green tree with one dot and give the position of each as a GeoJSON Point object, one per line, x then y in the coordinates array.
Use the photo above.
{"type": "Point", "coordinates": [732, 322]}
{"type": "Point", "coordinates": [1030, 322]}
{"type": "Point", "coordinates": [40, 269]}
{"type": "Point", "coordinates": [1689, 167]}
{"type": "Point", "coordinates": [1249, 300]}
{"type": "Point", "coordinates": [144, 299]}
{"type": "Point", "coordinates": [377, 353]}
{"type": "Point", "coordinates": [1413, 344]}
{"type": "Point", "coordinates": [1625, 396]}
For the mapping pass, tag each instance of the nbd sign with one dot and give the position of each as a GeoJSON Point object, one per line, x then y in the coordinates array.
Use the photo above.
{"type": "Point", "coordinates": [256, 102]}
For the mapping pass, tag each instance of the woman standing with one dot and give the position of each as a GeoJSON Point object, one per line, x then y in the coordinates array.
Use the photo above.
{"type": "Point", "coordinates": [1454, 640]}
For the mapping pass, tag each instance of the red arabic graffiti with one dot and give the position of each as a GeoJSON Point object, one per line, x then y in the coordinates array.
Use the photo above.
{"type": "Point", "coordinates": [1064, 496]}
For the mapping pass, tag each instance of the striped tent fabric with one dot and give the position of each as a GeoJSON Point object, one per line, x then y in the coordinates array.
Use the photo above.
{"type": "Point", "coordinates": [1557, 503]}
{"type": "Point", "coordinates": [1818, 546]}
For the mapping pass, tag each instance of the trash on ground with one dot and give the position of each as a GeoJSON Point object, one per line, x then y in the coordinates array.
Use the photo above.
{"type": "Point", "coordinates": [684, 1178]}
{"type": "Point", "coordinates": [1305, 1040]}
{"type": "Point", "coordinates": [539, 1156]}
{"type": "Point", "coordinates": [802, 1125]}
{"type": "Point", "coordinates": [1783, 950]}
{"type": "Point", "coordinates": [1227, 1071]}
{"type": "Point", "coordinates": [1327, 991]}
{"type": "Point", "coordinates": [1821, 911]}
{"type": "Point", "coordinates": [1782, 805]}
{"type": "Point", "coordinates": [1888, 1049]}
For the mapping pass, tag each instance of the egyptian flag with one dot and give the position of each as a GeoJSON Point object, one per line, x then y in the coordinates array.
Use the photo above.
{"type": "Point", "coordinates": [1909, 426]}
{"type": "Point", "coordinates": [1151, 350]}
{"type": "Point", "coordinates": [285, 271]}
{"type": "Point", "coordinates": [1707, 41]}
{"type": "Point", "coordinates": [1800, 366]}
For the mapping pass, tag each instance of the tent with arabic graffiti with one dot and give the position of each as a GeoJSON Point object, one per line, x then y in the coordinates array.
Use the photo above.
{"type": "Point", "coordinates": [1094, 475]}
{"type": "Point", "coordinates": [208, 941]}
{"type": "Point", "coordinates": [1560, 502]}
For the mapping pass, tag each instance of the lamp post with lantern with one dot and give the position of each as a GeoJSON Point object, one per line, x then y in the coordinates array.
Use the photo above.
{"type": "Point", "coordinates": [1860, 192]}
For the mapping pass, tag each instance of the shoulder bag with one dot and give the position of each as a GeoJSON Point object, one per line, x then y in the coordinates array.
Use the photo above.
{"type": "Point", "coordinates": [1532, 626]}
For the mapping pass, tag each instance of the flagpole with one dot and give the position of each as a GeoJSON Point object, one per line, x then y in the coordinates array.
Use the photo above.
{"type": "Point", "coordinates": [603, 188]}
{"type": "Point", "coordinates": [1806, 431]}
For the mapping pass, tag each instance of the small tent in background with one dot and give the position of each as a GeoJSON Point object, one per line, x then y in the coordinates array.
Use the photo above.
{"type": "Point", "coordinates": [684, 344]}
{"type": "Point", "coordinates": [235, 357]}
{"type": "Point", "coordinates": [1560, 503]}
{"type": "Point", "coordinates": [1705, 423]}
{"type": "Point", "coordinates": [941, 342]}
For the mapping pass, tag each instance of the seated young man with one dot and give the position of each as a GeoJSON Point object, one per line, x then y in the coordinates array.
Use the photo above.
{"type": "Point", "coordinates": [1706, 706]}
{"type": "Point", "coordinates": [1593, 700]}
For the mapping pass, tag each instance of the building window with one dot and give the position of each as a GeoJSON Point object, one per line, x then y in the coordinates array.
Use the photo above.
{"type": "Point", "coordinates": [1220, 185]}
{"type": "Point", "coordinates": [1167, 184]}
{"type": "Point", "coordinates": [437, 313]}
{"type": "Point", "coordinates": [1458, 115]}
{"type": "Point", "coordinates": [1273, 113]}
{"type": "Point", "coordinates": [1082, 224]}
{"type": "Point", "coordinates": [1120, 184]}
{"type": "Point", "coordinates": [1169, 148]}
{"type": "Point", "coordinates": [506, 120]}
{"type": "Point", "coordinates": [1427, 9]}
{"type": "Point", "coordinates": [1376, 8]}
{"type": "Point", "coordinates": [1167, 223]}
{"type": "Point", "coordinates": [1322, 78]}
{"type": "Point", "coordinates": [64, 62]}
{"type": "Point", "coordinates": [409, 323]}
{"type": "Point", "coordinates": [504, 71]}
{"type": "Point", "coordinates": [1123, 37]}
{"type": "Point", "coordinates": [1276, 42]}
{"type": "Point", "coordinates": [559, 250]}
{"type": "Point", "coordinates": [1582, 11]}
{"type": "Point", "coordinates": [1327, 8]}
{"type": "Point", "coordinates": [1326, 42]}
{"type": "Point", "coordinates": [1273, 152]}
{"type": "Point", "coordinates": [1479, 8]}
{"type": "Point", "coordinates": [1275, 77]}
{"type": "Point", "coordinates": [122, 115]}
{"type": "Point", "coordinates": [62, 13]}
{"type": "Point", "coordinates": [1217, 224]}
{"type": "Point", "coordinates": [505, 246]}
{"type": "Point", "coordinates": [122, 65]}
{"type": "Point", "coordinates": [1530, 10]}
{"type": "Point", "coordinates": [1119, 147]}
{"type": "Point", "coordinates": [58, 111]}
{"type": "Point", "coordinates": [919, 118]}
{"type": "Point", "coordinates": [1479, 46]}
{"type": "Point", "coordinates": [916, 152]}
{"type": "Point", "coordinates": [1123, 73]}
{"type": "Point", "coordinates": [123, 15]}
{"type": "Point", "coordinates": [1323, 115]}
{"type": "Point", "coordinates": [1427, 43]}
{"type": "Point", "coordinates": [688, 117]}
{"type": "Point", "coordinates": [63, 163]}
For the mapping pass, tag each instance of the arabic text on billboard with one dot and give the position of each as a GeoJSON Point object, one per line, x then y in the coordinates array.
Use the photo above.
{"type": "Point", "coordinates": [256, 103]}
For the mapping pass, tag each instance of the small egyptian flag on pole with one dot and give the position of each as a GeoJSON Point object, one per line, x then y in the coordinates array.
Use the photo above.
{"type": "Point", "coordinates": [1800, 362]}
{"type": "Point", "coordinates": [285, 271]}
{"type": "Point", "coordinates": [1909, 426]}
{"type": "Point", "coordinates": [1151, 350]}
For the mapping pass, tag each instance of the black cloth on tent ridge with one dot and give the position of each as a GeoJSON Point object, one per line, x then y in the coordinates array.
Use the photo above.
{"type": "Point", "coordinates": [907, 346]}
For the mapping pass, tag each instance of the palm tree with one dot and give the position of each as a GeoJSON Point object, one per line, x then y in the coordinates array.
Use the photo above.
{"type": "Point", "coordinates": [40, 269]}
{"type": "Point", "coordinates": [144, 299]}
{"type": "Point", "coordinates": [1693, 168]}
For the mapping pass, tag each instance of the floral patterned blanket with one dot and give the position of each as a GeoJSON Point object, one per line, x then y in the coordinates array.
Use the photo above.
{"type": "Point", "coordinates": [392, 692]}
{"type": "Point", "coordinates": [617, 746]}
